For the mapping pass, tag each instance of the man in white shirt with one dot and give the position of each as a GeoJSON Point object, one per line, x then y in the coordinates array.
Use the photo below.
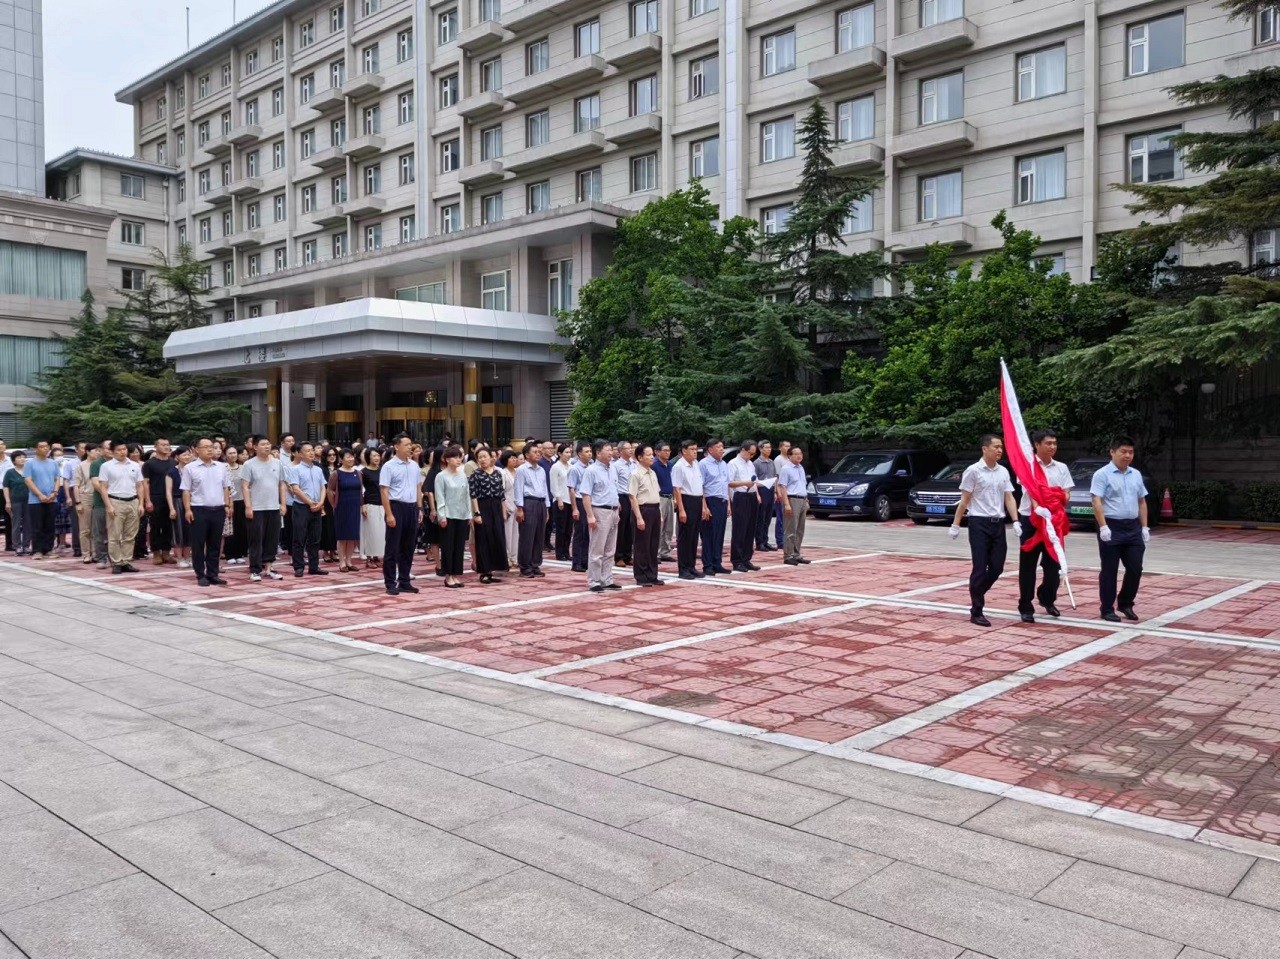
{"type": "Point", "coordinates": [206, 503]}
{"type": "Point", "coordinates": [745, 500]}
{"type": "Point", "coordinates": [579, 547]}
{"type": "Point", "coordinates": [779, 516]}
{"type": "Point", "coordinates": [623, 464]}
{"type": "Point", "coordinates": [986, 494]}
{"type": "Point", "coordinates": [532, 502]}
{"type": "Point", "coordinates": [265, 491]}
{"type": "Point", "coordinates": [691, 509]}
{"type": "Point", "coordinates": [561, 501]}
{"type": "Point", "coordinates": [1058, 475]}
{"type": "Point", "coordinates": [793, 493]}
{"type": "Point", "coordinates": [119, 483]}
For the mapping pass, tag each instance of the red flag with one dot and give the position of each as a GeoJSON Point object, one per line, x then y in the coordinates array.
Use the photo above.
{"type": "Point", "coordinates": [1048, 532]}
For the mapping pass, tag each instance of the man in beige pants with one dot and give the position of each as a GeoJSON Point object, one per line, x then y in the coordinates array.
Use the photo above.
{"type": "Point", "coordinates": [84, 504]}
{"type": "Point", "coordinates": [599, 488]}
{"type": "Point", "coordinates": [119, 483]}
{"type": "Point", "coordinates": [793, 491]}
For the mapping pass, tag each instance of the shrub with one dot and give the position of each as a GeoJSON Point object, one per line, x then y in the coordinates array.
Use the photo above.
{"type": "Point", "coordinates": [1260, 502]}
{"type": "Point", "coordinates": [1199, 499]}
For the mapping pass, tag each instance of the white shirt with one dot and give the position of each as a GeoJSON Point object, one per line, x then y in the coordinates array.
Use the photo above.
{"type": "Point", "coordinates": [6, 464]}
{"type": "Point", "coordinates": [206, 484]}
{"type": "Point", "coordinates": [559, 482]}
{"type": "Point", "coordinates": [741, 470]}
{"type": "Point", "coordinates": [686, 477]}
{"type": "Point", "coordinates": [1056, 474]}
{"type": "Point", "coordinates": [121, 479]}
{"type": "Point", "coordinates": [987, 486]}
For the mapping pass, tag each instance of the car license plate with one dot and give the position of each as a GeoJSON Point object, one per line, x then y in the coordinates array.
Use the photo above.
{"type": "Point", "coordinates": [823, 501]}
{"type": "Point", "coordinates": [936, 509]}
{"type": "Point", "coordinates": [1081, 511]}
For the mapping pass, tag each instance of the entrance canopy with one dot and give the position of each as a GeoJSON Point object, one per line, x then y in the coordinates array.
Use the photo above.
{"type": "Point", "coordinates": [367, 328]}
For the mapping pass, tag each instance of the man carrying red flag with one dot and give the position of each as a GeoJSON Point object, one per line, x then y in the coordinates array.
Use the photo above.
{"type": "Point", "coordinates": [1044, 502]}
{"type": "Point", "coordinates": [1035, 541]}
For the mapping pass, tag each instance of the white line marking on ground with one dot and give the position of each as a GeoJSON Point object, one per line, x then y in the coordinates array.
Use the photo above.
{"type": "Point", "coordinates": [896, 728]}
{"type": "Point", "coordinates": [691, 640]}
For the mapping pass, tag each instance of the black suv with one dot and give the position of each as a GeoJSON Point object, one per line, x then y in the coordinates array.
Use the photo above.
{"type": "Point", "coordinates": [873, 483]}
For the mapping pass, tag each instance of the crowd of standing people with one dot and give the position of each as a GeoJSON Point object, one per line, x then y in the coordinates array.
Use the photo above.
{"type": "Point", "coordinates": [271, 505]}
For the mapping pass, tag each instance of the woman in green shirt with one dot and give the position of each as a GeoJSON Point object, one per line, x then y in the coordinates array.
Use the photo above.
{"type": "Point", "coordinates": [15, 504]}
{"type": "Point", "coordinates": [453, 513]}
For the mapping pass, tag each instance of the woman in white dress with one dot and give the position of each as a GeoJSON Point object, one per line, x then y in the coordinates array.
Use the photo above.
{"type": "Point", "coordinates": [373, 524]}
{"type": "Point", "coordinates": [510, 461]}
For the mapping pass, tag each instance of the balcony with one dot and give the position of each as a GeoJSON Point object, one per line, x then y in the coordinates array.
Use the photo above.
{"type": "Point", "coordinates": [364, 84]}
{"type": "Point", "coordinates": [481, 172]}
{"type": "Point", "coordinates": [217, 195]}
{"type": "Point", "coordinates": [324, 159]}
{"type": "Point", "coordinates": [562, 77]}
{"type": "Point", "coordinates": [481, 105]}
{"type": "Point", "coordinates": [921, 45]}
{"type": "Point", "coordinates": [219, 145]}
{"type": "Point", "coordinates": [557, 151]}
{"type": "Point", "coordinates": [860, 157]}
{"type": "Point", "coordinates": [860, 64]}
{"type": "Point", "coordinates": [246, 186]}
{"type": "Point", "coordinates": [949, 136]}
{"type": "Point", "coordinates": [364, 146]}
{"type": "Point", "coordinates": [481, 37]}
{"type": "Point", "coordinates": [362, 206]}
{"type": "Point", "coordinates": [327, 101]}
{"type": "Point", "coordinates": [328, 216]}
{"type": "Point", "coordinates": [635, 129]}
{"type": "Point", "coordinates": [858, 243]}
{"type": "Point", "coordinates": [955, 234]}
{"type": "Point", "coordinates": [246, 238]}
{"type": "Point", "coordinates": [538, 14]}
{"type": "Point", "coordinates": [216, 246]}
{"type": "Point", "coordinates": [644, 48]}
{"type": "Point", "coordinates": [249, 133]}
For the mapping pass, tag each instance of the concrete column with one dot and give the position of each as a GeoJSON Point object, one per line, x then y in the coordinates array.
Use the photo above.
{"type": "Point", "coordinates": [370, 399]}
{"type": "Point", "coordinates": [285, 406]}
{"type": "Point", "coordinates": [1089, 171]}
{"type": "Point", "coordinates": [667, 100]}
{"type": "Point", "coordinates": [736, 58]}
{"type": "Point", "coordinates": [470, 400]}
{"type": "Point", "coordinates": [891, 214]}
{"type": "Point", "coordinates": [273, 405]}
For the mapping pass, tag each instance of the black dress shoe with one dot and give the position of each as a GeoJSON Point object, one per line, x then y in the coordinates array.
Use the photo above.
{"type": "Point", "coordinates": [539, 573]}
{"type": "Point", "coordinates": [392, 591]}
{"type": "Point", "coordinates": [218, 581]}
{"type": "Point", "coordinates": [1027, 617]}
{"type": "Point", "coordinates": [687, 575]}
{"type": "Point", "coordinates": [1052, 610]}
{"type": "Point", "coordinates": [129, 568]}
{"type": "Point", "coordinates": [697, 575]}
{"type": "Point", "coordinates": [646, 583]}
{"type": "Point", "coordinates": [526, 574]}
{"type": "Point", "coordinates": [979, 620]}
{"type": "Point", "coordinates": [1110, 617]}
{"type": "Point", "coordinates": [319, 572]}
{"type": "Point", "coordinates": [708, 572]}
{"type": "Point", "coordinates": [298, 573]}
{"type": "Point", "coordinates": [1128, 613]}
{"type": "Point", "coordinates": [791, 562]}
{"type": "Point", "coordinates": [199, 582]}
{"type": "Point", "coordinates": [804, 562]}
{"type": "Point", "coordinates": [117, 570]}
{"type": "Point", "coordinates": [751, 567]}
{"type": "Point", "coordinates": [612, 586]}
{"type": "Point", "coordinates": [721, 571]}
{"type": "Point", "coordinates": [409, 588]}
{"type": "Point", "coordinates": [597, 588]}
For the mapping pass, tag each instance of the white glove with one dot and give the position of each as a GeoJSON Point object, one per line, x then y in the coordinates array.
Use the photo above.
{"type": "Point", "coordinates": [1104, 533]}
{"type": "Point", "coordinates": [1044, 511]}
{"type": "Point", "coordinates": [1017, 529]}
{"type": "Point", "coordinates": [954, 532]}
{"type": "Point", "coordinates": [1146, 535]}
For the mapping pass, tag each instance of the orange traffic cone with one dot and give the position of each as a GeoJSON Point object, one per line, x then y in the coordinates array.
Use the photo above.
{"type": "Point", "coordinates": [1166, 507]}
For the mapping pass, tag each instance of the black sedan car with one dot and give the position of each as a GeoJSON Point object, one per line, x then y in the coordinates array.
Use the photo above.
{"type": "Point", "coordinates": [937, 497]}
{"type": "Point", "coordinates": [874, 483]}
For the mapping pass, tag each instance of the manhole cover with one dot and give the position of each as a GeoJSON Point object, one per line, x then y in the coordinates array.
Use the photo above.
{"type": "Point", "coordinates": [681, 700]}
{"type": "Point", "coordinates": [156, 612]}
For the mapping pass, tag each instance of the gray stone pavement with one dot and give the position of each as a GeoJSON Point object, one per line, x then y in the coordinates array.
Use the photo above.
{"type": "Point", "coordinates": [194, 787]}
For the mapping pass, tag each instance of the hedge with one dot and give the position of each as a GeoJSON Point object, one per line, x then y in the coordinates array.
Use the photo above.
{"type": "Point", "coordinates": [1212, 499]}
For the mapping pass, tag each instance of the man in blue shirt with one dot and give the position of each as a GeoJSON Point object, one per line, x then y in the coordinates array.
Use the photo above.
{"type": "Point", "coordinates": [666, 509]}
{"type": "Point", "coordinates": [400, 482]}
{"type": "Point", "coordinates": [715, 491]}
{"type": "Point", "coordinates": [307, 486]}
{"type": "Point", "coordinates": [624, 464]}
{"type": "Point", "coordinates": [1120, 507]}
{"type": "Point", "coordinates": [533, 499]}
{"type": "Point", "coordinates": [41, 475]}
{"type": "Point", "coordinates": [600, 503]}
{"type": "Point", "coordinates": [573, 480]}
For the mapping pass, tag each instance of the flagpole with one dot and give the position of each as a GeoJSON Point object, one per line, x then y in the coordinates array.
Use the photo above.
{"type": "Point", "coordinates": [1070, 595]}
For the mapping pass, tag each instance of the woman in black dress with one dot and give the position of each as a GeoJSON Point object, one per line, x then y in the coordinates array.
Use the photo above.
{"type": "Point", "coordinates": [429, 532]}
{"type": "Point", "coordinates": [328, 533]}
{"type": "Point", "coordinates": [489, 514]}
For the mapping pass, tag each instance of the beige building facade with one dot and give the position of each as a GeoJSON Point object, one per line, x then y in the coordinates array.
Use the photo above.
{"type": "Point", "coordinates": [475, 154]}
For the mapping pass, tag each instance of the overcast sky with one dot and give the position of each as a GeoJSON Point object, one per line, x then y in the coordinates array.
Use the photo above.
{"type": "Point", "coordinates": [92, 48]}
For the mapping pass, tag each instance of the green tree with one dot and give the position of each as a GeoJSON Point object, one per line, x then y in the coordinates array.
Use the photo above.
{"type": "Point", "coordinates": [114, 380]}
{"type": "Point", "coordinates": [937, 379]}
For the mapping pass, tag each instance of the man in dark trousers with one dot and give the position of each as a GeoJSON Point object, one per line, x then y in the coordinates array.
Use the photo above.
{"type": "Point", "coordinates": [206, 501]}
{"type": "Point", "coordinates": [715, 492]}
{"type": "Point", "coordinates": [691, 509]}
{"type": "Point", "coordinates": [986, 495]}
{"type": "Point", "coordinates": [401, 483]}
{"type": "Point", "coordinates": [533, 500]}
{"type": "Point", "coordinates": [307, 485]}
{"type": "Point", "coordinates": [1120, 507]}
{"type": "Point", "coordinates": [578, 516]}
{"type": "Point", "coordinates": [1045, 444]}
{"type": "Point", "coordinates": [744, 503]}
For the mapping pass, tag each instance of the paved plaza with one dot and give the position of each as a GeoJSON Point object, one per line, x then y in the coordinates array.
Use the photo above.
{"type": "Point", "coordinates": [823, 761]}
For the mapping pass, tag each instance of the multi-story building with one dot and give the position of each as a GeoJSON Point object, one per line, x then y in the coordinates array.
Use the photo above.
{"type": "Point", "coordinates": [469, 158]}
{"type": "Point", "coordinates": [21, 98]}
